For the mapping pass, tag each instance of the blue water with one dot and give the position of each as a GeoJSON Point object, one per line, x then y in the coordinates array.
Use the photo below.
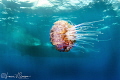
{"type": "Point", "coordinates": [25, 45]}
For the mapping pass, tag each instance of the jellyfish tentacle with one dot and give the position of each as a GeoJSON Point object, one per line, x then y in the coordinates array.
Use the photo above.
{"type": "Point", "coordinates": [86, 33]}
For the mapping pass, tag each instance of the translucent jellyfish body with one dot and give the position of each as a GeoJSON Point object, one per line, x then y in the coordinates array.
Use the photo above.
{"type": "Point", "coordinates": [64, 35]}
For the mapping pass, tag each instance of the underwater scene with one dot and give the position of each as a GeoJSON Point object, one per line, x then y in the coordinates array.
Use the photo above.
{"type": "Point", "coordinates": [60, 39]}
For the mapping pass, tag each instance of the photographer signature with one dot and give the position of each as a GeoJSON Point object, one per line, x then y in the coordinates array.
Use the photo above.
{"type": "Point", "coordinates": [18, 75]}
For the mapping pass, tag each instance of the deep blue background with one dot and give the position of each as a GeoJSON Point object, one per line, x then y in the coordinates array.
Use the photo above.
{"type": "Point", "coordinates": [44, 62]}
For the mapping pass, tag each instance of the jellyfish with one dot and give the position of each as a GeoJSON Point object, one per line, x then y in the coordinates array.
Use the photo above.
{"type": "Point", "coordinates": [64, 35]}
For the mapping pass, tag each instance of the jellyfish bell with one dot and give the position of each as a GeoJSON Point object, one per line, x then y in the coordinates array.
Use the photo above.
{"type": "Point", "coordinates": [63, 35]}
{"type": "Point", "coordinates": [59, 36]}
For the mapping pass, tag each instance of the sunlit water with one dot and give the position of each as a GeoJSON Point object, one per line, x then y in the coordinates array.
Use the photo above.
{"type": "Point", "coordinates": [25, 45]}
